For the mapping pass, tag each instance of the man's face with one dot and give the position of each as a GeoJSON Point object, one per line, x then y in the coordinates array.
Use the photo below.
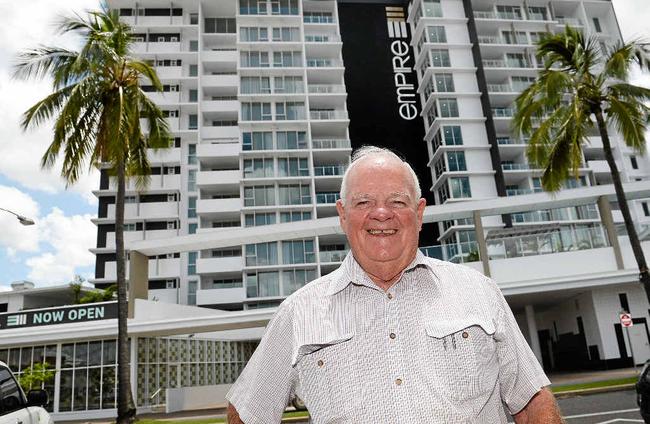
{"type": "Point", "coordinates": [381, 216]}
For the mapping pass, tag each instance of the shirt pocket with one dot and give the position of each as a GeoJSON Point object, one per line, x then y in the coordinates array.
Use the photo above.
{"type": "Point", "coordinates": [463, 359]}
{"type": "Point", "coordinates": [323, 368]}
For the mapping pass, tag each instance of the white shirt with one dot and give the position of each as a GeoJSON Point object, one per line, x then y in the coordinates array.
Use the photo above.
{"type": "Point", "coordinates": [440, 346]}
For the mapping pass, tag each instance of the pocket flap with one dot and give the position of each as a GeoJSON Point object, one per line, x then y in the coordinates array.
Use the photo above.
{"type": "Point", "coordinates": [442, 328]}
{"type": "Point", "coordinates": [308, 347]}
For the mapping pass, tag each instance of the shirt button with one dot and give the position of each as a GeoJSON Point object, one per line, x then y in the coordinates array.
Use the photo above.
{"type": "Point", "coordinates": [398, 382]}
{"type": "Point", "coordinates": [392, 335]}
{"type": "Point", "coordinates": [320, 363]}
{"type": "Point", "coordinates": [465, 335]}
{"type": "Point", "coordinates": [390, 295]}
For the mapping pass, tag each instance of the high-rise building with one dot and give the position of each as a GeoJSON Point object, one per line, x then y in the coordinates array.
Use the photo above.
{"type": "Point", "coordinates": [267, 98]}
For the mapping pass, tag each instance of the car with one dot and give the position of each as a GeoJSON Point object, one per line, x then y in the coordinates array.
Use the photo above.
{"type": "Point", "coordinates": [643, 392]}
{"type": "Point", "coordinates": [15, 407]}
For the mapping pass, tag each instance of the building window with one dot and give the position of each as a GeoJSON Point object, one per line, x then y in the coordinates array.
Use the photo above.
{"type": "Point", "coordinates": [293, 167]}
{"type": "Point", "coordinates": [633, 161]}
{"type": "Point", "coordinates": [289, 111]}
{"type": "Point", "coordinates": [295, 194]}
{"type": "Point", "coordinates": [286, 34]}
{"type": "Point", "coordinates": [256, 111]}
{"type": "Point", "coordinates": [194, 70]}
{"type": "Point", "coordinates": [597, 27]}
{"type": "Point", "coordinates": [257, 141]}
{"type": "Point", "coordinates": [252, 34]}
{"type": "Point", "coordinates": [191, 154]}
{"type": "Point", "coordinates": [262, 254]}
{"type": "Point", "coordinates": [257, 219]}
{"type": "Point", "coordinates": [508, 12]}
{"type": "Point", "coordinates": [294, 216]}
{"type": "Point", "coordinates": [191, 292]}
{"type": "Point", "coordinates": [287, 59]}
{"type": "Point", "coordinates": [259, 196]}
{"type": "Point", "coordinates": [291, 140]}
{"type": "Point", "coordinates": [262, 284]}
{"type": "Point", "coordinates": [448, 108]}
{"type": "Point", "coordinates": [193, 122]}
{"type": "Point", "coordinates": [192, 227]}
{"type": "Point", "coordinates": [191, 262]}
{"type": "Point", "coordinates": [436, 34]}
{"type": "Point", "coordinates": [191, 180]}
{"type": "Point", "coordinates": [298, 252]}
{"type": "Point", "coordinates": [288, 84]}
{"type": "Point", "coordinates": [459, 187]}
{"type": "Point", "coordinates": [254, 59]}
{"type": "Point", "coordinates": [646, 209]}
{"type": "Point", "coordinates": [191, 207]}
{"type": "Point", "coordinates": [432, 8]}
{"type": "Point", "coordinates": [258, 168]}
{"type": "Point", "coordinates": [456, 161]}
{"type": "Point", "coordinates": [537, 13]}
{"type": "Point", "coordinates": [255, 85]}
{"type": "Point", "coordinates": [444, 83]}
{"type": "Point", "coordinates": [294, 279]}
{"type": "Point", "coordinates": [453, 135]}
{"type": "Point", "coordinates": [220, 25]}
{"type": "Point", "coordinates": [440, 58]}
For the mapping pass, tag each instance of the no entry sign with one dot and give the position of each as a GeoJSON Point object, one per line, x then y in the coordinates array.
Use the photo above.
{"type": "Point", "coordinates": [626, 320]}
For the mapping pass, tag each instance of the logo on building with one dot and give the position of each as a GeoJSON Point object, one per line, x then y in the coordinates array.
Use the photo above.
{"type": "Point", "coordinates": [16, 320]}
{"type": "Point", "coordinates": [402, 62]}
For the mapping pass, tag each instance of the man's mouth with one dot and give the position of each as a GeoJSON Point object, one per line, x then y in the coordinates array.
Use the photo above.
{"type": "Point", "coordinates": [382, 232]}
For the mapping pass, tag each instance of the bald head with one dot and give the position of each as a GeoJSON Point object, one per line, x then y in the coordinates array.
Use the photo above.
{"type": "Point", "coordinates": [373, 154]}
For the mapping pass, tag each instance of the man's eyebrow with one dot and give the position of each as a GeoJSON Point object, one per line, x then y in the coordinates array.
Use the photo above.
{"type": "Point", "coordinates": [399, 194]}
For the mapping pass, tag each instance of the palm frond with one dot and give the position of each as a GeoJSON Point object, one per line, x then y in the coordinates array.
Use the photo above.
{"type": "Point", "coordinates": [629, 119]}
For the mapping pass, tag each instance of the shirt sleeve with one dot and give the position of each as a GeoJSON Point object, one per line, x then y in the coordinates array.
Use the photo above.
{"type": "Point", "coordinates": [520, 374]}
{"type": "Point", "coordinates": [264, 388]}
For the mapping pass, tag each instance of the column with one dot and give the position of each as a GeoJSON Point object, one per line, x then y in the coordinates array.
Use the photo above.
{"type": "Point", "coordinates": [482, 245]}
{"type": "Point", "coordinates": [138, 279]}
{"type": "Point", "coordinates": [607, 220]}
{"type": "Point", "coordinates": [532, 332]}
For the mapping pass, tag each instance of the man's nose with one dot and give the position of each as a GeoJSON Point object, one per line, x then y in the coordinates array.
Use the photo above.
{"type": "Point", "coordinates": [381, 213]}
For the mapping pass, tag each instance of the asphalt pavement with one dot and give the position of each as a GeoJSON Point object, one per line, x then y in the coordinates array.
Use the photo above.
{"type": "Point", "coordinates": [602, 408]}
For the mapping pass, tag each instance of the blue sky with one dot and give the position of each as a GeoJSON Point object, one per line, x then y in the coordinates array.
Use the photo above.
{"type": "Point", "coordinates": [56, 248]}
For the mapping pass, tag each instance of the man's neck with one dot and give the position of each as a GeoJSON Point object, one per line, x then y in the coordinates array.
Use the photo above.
{"type": "Point", "coordinates": [385, 275]}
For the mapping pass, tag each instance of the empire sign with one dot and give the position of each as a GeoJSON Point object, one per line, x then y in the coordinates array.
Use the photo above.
{"type": "Point", "coordinates": [399, 47]}
{"type": "Point", "coordinates": [63, 315]}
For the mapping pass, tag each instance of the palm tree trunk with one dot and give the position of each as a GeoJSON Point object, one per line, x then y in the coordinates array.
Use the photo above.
{"type": "Point", "coordinates": [644, 276]}
{"type": "Point", "coordinates": [125, 406]}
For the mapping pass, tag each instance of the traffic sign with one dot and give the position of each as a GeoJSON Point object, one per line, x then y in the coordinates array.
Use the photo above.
{"type": "Point", "coordinates": [626, 320]}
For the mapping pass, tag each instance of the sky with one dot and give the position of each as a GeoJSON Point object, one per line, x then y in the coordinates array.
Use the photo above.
{"type": "Point", "coordinates": [55, 249]}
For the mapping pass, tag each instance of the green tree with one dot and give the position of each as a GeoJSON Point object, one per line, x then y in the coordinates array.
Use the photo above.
{"type": "Point", "coordinates": [99, 295]}
{"type": "Point", "coordinates": [579, 88]}
{"type": "Point", "coordinates": [34, 376]}
{"type": "Point", "coordinates": [97, 105]}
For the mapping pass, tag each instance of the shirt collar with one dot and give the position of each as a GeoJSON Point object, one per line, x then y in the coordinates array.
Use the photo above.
{"type": "Point", "coordinates": [351, 272]}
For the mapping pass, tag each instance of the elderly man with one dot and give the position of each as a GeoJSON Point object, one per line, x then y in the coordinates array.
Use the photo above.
{"type": "Point", "coordinates": [393, 336]}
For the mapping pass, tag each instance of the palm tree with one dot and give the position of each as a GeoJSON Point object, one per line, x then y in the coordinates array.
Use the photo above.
{"type": "Point", "coordinates": [581, 87]}
{"type": "Point", "coordinates": [97, 105]}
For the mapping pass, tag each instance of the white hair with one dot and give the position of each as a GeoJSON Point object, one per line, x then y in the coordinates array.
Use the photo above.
{"type": "Point", "coordinates": [367, 151]}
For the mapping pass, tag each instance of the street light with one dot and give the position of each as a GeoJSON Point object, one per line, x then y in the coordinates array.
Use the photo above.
{"type": "Point", "coordinates": [22, 219]}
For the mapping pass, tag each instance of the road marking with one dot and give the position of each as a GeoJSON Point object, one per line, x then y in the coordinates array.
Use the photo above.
{"type": "Point", "coordinates": [595, 414]}
{"type": "Point", "coordinates": [621, 420]}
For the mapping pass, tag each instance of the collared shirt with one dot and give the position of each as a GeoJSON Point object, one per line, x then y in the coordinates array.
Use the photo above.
{"type": "Point", "coordinates": [440, 346]}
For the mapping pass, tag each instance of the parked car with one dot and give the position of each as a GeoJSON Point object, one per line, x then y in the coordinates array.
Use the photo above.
{"type": "Point", "coordinates": [643, 392]}
{"type": "Point", "coordinates": [15, 407]}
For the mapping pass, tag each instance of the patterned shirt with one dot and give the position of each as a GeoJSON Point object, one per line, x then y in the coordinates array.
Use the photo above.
{"type": "Point", "coordinates": [440, 346]}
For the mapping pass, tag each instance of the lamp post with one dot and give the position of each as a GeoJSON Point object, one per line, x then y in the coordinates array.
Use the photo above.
{"type": "Point", "coordinates": [23, 220]}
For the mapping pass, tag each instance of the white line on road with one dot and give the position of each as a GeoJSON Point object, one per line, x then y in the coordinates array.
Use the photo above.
{"type": "Point", "coordinates": [621, 420]}
{"type": "Point", "coordinates": [595, 414]}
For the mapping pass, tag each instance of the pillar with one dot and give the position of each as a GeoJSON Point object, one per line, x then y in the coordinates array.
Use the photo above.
{"type": "Point", "coordinates": [532, 332]}
{"type": "Point", "coordinates": [138, 279]}
{"type": "Point", "coordinates": [607, 220]}
{"type": "Point", "coordinates": [482, 245]}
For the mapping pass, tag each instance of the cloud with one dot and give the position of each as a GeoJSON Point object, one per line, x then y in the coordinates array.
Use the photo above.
{"type": "Point", "coordinates": [26, 25]}
{"type": "Point", "coordinates": [68, 238]}
{"type": "Point", "coordinates": [15, 237]}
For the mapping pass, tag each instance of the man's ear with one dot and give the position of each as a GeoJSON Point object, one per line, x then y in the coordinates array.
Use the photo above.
{"type": "Point", "coordinates": [340, 209]}
{"type": "Point", "coordinates": [422, 203]}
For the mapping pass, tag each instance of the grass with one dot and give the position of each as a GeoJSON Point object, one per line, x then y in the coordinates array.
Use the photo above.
{"type": "Point", "coordinates": [210, 420]}
{"type": "Point", "coordinates": [594, 384]}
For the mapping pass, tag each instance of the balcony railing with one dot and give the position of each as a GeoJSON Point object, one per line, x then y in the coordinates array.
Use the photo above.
{"type": "Point", "coordinates": [321, 39]}
{"type": "Point", "coordinates": [642, 231]}
{"type": "Point", "coordinates": [503, 112]}
{"type": "Point", "coordinates": [327, 198]}
{"type": "Point", "coordinates": [515, 166]}
{"type": "Point", "coordinates": [494, 63]}
{"type": "Point", "coordinates": [569, 21]}
{"type": "Point", "coordinates": [508, 140]}
{"type": "Point", "coordinates": [318, 19]}
{"type": "Point", "coordinates": [329, 170]}
{"type": "Point", "coordinates": [324, 63]}
{"type": "Point", "coordinates": [519, 191]}
{"type": "Point", "coordinates": [330, 144]}
{"type": "Point", "coordinates": [499, 88]}
{"type": "Point", "coordinates": [326, 88]}
{"type": "Point", "coordinates": [333, 255]}
{"type": "Point", "coordinates": [546, 243]}
{"type": "Point", "coordinates": [327, 114]}
{"type": "Point", "coordinates": [457, 253]}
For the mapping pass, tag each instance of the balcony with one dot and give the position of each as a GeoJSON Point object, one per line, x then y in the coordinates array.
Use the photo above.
{"type": "Point", "coordinates": [329, 170]}
{"type": "Point", "coordinates": [218, 178]}
{"type": "Point", "coordinates": [323, 115]}
{"type": "Point", "coordinates": [217, 265]}
{"type": "Point", "coordinates": [219, 106]}
{"type": "Point", "coordinates": [499, 88]}
{"type": "Point", "coordinates": [221, 295]}
{"type": "Point", "coordinates": [512, 141]}
{"type": "Point", "coordinates": [146, 210]}
{"type": "Point", "coordinates": [133, 236]}
{"type": "Point", "coordinates": [515, 166]}
{"type": "Point", "coordinates": [229, 79]}
{"type": "Point", "coordinates": [231, 131]}
{"type": "Point", "coordinates": [520, 191]}
{"type": "Point", "coordinates": [332, 256]}
{"type": "Point", "coordinates": [220, 56]}
{"type": "Point", "coordinates": [456, 253]}
{"type": "Point", "coordinates": [158, 268]}
{"type": "Point", "coordinates": [324, 63]}
{"type": "Point", "coordinates": [574, 22]}
{"type": "Point", "coordinates": [327, 198]}
{"type": "Point", "coordinates": [326, 88]}
{"type": "Point", "coordinates": [215, 206]}
{"type": "Point", "coordinates": [169, 155]}
{"type": "Point", "coordinates": [318, 19]}
{"type": "Point", "coordinates": [218, 150]}
{"type": "Point", "coordinates": [503, 112]}
{"type": "Point", "coordinates": [331, 144]}
{"type": "Point", "coordinates": [599, 166]}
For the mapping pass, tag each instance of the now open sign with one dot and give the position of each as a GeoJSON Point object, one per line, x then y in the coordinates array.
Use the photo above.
{"type": "Point", "coordinates": [61, 315]}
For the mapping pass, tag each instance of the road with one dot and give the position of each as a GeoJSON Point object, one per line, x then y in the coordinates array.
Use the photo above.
{"type": "Point", "coordinates": [604, 408]}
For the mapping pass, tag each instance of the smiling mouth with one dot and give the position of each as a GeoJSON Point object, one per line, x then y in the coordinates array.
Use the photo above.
{"type": "Point", "coordinates": [382, 232]}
